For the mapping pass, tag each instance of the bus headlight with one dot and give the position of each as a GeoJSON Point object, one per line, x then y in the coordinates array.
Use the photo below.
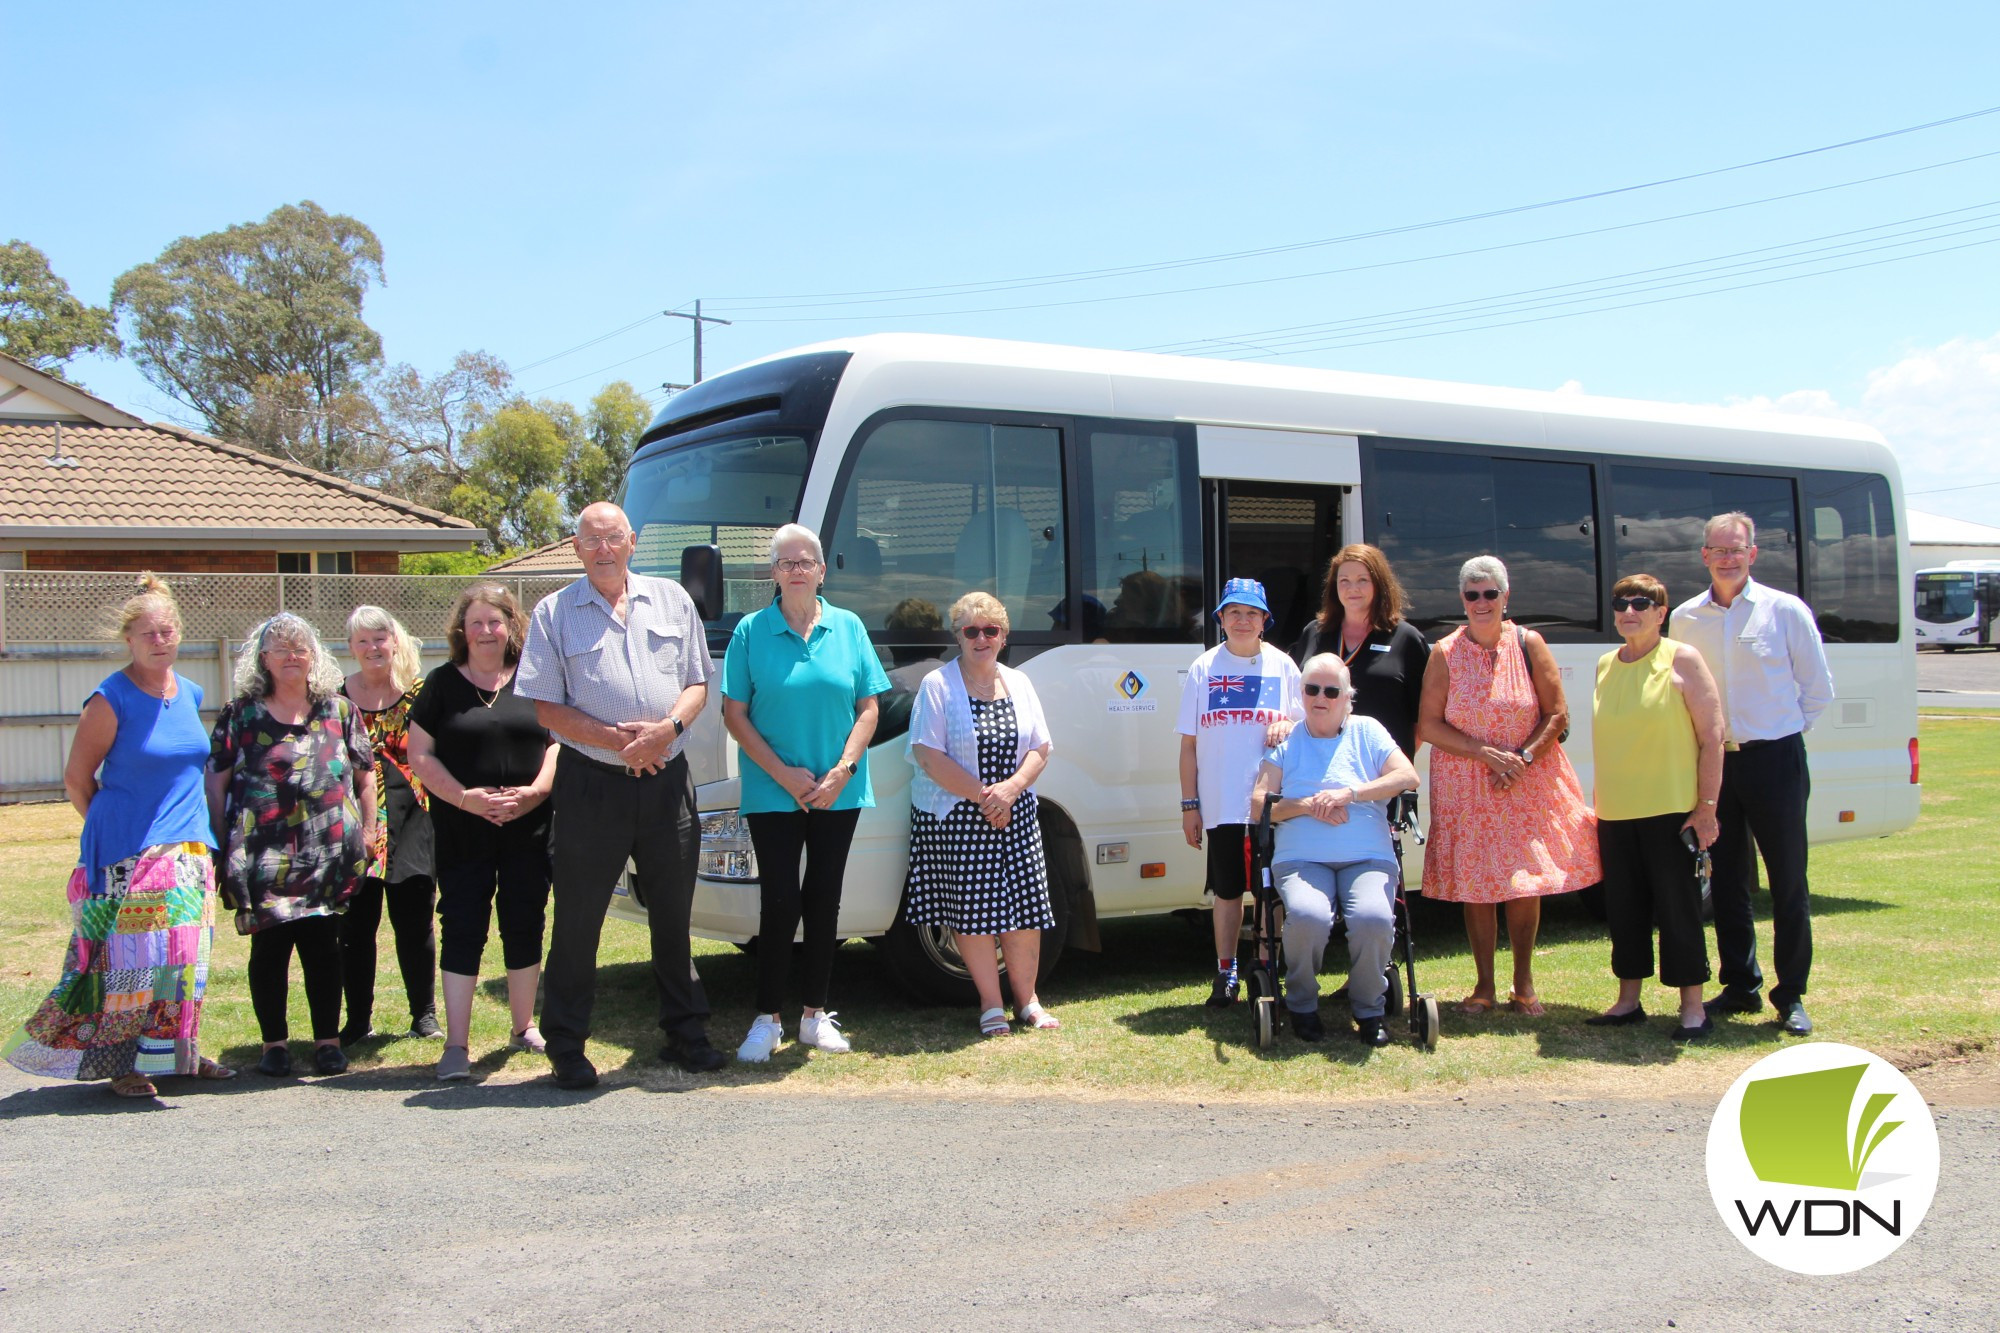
{"type": "Point", "coordinates": [725, 848]}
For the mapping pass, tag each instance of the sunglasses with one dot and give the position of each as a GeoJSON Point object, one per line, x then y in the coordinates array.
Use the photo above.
{"type": "Point", "coordinates": [1633, 604]}
{"type": "Point", "coordinates": [1330, 691]}
{"type": "Point", "coordinates": [1481, 595]}
{"type": "Point", "coordinates": [972, 632]}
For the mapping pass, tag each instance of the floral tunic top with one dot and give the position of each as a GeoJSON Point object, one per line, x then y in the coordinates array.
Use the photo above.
{"type": "Point", "coordinates": [291, 835]}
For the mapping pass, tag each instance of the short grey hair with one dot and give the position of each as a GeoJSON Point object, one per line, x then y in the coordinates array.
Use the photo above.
{"type": "Point", "coordinates": [1328, 662]}
{"type": "Point", "coordinates": [1482, 569]}
{"type": "Point", "coordinates": [1729, 520]}
{"type": "Point", "coordinates": [797, 532]}
{"type": "Point", "coordinates": [252, 681]}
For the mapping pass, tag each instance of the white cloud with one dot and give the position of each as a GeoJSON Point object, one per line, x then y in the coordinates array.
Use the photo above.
{"type": "Point", "coordinates": [1939, 408]}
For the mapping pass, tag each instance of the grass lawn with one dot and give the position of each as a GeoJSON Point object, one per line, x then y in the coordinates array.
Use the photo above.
{"type": "Point", "coordinates": [1907, 964]}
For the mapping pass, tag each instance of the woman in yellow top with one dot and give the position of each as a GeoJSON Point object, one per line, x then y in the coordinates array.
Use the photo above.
{"type": "Point", "coordinates": [1657, 740]}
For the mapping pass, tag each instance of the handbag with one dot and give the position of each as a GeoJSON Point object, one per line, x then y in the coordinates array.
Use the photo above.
{"type": "Point", "coordinates": [1521, 635]}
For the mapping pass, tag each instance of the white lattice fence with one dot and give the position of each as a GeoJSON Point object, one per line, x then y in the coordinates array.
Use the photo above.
{"type": "Point", "coordinates": [39, 607]}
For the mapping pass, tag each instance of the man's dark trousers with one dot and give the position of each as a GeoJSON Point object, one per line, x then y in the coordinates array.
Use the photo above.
{"type": "Point", "coordinates": [602, 816]}
{"type": "Point", "coordinates": [1764, 791]}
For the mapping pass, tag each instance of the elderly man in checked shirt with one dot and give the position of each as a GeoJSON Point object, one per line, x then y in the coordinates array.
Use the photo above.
{"type": "Point", "coordinates": [1763, 648]}
{"type": "Point", "coordinates": [618, 667]}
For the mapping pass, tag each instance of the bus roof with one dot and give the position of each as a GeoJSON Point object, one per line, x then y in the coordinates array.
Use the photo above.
{"type": "Point", "coordinates": [948, 370]}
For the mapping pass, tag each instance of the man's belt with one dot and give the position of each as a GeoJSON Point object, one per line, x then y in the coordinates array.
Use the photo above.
{"type": "Point", "coordinates": [570, 752]}
{"type": "Point", "coordinates": [1733, 746]}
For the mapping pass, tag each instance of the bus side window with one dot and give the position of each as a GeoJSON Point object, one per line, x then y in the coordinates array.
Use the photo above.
{"type": "Point", "coordinates": [1144, 584]}
{"type": "Point", "coordinates": [1855, 591]}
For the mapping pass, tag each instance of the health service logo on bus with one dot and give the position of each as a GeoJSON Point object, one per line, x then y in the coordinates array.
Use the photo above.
{"type": "Point", "coordinates": [1822, 1158]}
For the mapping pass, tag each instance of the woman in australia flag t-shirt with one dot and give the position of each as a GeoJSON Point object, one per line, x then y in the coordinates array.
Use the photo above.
{"type": "Point", "coordinates": [1241, 696]}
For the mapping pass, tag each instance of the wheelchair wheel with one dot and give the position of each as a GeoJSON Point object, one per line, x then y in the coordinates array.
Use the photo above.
{"type": "Point", "coordinates": [1394, 999]}
{"type": "Point", "coordinates": [1424, 1022]}
{"type": "Point", "coordinates": [1266, 1011]}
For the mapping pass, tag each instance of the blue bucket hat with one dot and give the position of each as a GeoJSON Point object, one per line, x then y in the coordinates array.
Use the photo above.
{"type": "Point", "coordinates": [1243, 592]}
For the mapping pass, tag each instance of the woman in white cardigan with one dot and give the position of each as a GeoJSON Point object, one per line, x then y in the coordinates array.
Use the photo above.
{"type": "Point", "coordinates": [978, 741]}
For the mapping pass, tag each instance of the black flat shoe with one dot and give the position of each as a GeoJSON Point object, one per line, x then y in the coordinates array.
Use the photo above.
{"type": "Point", "coordinates": [1706, 1026]}
{"type": "Point", "coordinates": [573, 1072]}
{"type": "Point", "coordinates": [276, 1062]}
{"type": "Point", "coordinates": [329, 1060]}
{"type": "Point", "coordinates": [1796, 1023]}
{"type": "Point", "coordinates": [1734, 1002]}
{"type": "Point", "coordinates": [1371, 1032]}
{"type": "Point", "coordinates": [1307, 1026]}
{"type": "Point", "coordinates": [357, 1032]}
{"type": "Point", "coordinates": [1626, 1019]}
{"type": "Point", "coordinates": [697, 1055]}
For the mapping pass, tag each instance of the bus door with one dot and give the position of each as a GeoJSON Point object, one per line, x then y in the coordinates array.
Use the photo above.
{"type": "Point", "coordinates": [1277, 507]}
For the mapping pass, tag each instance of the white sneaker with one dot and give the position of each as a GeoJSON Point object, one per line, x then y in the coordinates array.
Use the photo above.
{"type": "Point", "coordinates": [765, 1034]}
{"type": "Point", "coordinates": [823, 1034]}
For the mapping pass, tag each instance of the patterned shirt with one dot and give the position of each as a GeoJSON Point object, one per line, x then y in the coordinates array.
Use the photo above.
{"type": "Point", "coordinates": [581, 654]}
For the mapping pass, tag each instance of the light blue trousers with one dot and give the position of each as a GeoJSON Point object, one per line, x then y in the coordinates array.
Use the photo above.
{"type": "Point", "coordinates": [1365, 892]}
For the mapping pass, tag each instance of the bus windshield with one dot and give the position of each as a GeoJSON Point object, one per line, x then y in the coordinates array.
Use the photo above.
{"type": "Point", "coordinates": [733, 493]}
{"type": "Point", "coordinates": [1944, 599]}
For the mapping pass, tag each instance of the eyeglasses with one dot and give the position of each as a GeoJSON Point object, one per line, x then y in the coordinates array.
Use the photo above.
{"type": "Point", "coordinates": [972, 632]}
{"type": "Point", "coordinates": [1330, 691]}
{"type": "Point", "coordinates": [803, 565]}
{"type": "Point", "coordinates": [1480, 594]}
{"type": "Point", "coordinates": [1633, 604]}
{"type": "Point", "coordinates": [603, 543]}
{"type": "Point", "coordinates": [1729, 552]}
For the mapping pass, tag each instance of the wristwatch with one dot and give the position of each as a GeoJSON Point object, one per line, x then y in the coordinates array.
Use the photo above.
{"type": "Point", "coordinates": [680, 727]}
{"type": "Point", "coordinates": [1527, 755]}
{"type": "Point", "coordinates": [853, 767]}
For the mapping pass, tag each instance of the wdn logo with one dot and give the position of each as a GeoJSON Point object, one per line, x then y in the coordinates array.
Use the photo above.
{"type": "Point", "coordinates": [1822, 1158]}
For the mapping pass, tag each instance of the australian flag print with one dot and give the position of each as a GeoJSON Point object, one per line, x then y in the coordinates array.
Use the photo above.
{"type": "Point", "coordinates": [1242, 692]}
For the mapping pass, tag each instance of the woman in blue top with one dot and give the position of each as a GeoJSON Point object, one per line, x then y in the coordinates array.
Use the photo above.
{"type": "Point", "coordinates": [142, 896]}
{"type": "Point", "coordinates": [798, 693]}
{"type": "Point", "coordinates": [1333, 846]}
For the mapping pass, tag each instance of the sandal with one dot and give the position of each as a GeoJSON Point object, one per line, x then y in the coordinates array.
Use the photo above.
{"type": "Point", "coordinates": [1525, 1004]}
{"type": "Point", "coordinates": [1037, 1017]}
{"type": "Point", "coordinates": [133, 1085]}
{"type": "Point", "coordinates": [212, 1071]}
{"type": "Point", "coordinates": [1475, 1006]}
{"type": "Point", "coordinates": [993, 1023]}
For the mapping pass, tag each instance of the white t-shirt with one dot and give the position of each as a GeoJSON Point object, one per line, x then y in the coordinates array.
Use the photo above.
{"type": "Point", "coordinates": [1227, 705]}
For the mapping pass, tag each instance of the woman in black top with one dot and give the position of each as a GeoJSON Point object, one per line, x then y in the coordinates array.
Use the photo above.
{"type": "Point", "coordinates": [489, 767]}
{"type": "Point", "coordinates": [1361, 622]}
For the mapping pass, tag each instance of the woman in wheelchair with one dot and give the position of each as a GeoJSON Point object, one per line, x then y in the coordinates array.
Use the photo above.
{"type": "Point", "coordinates": [1334, 776]}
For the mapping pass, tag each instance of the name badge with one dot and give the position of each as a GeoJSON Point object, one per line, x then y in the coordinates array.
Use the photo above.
{"type": "Point", "coordinates": [1378, 647]}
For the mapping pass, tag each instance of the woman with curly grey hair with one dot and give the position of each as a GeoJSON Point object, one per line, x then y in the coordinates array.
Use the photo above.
{"type": "Point", "coordinates": [291, 788]}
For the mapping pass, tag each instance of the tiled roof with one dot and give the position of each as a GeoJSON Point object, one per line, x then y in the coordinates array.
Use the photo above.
{"type": "Point", "coordinates": [161, 481]}
{"type": "Point", "coordinates": [558, 557]}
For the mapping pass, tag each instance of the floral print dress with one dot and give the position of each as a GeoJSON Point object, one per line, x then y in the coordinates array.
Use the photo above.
{"type": "Point", "coordinates": [292, 845]}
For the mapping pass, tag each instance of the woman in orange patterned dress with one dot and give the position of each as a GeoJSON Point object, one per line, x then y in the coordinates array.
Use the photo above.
{"type": "Point", "coordinates": [1508, 819]}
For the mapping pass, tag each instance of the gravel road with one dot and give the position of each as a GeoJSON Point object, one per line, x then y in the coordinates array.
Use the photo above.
{"type": "Point", "coordinates": [390, 1202]}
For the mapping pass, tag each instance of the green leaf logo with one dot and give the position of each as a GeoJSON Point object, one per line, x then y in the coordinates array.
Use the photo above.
{"type": "Point", "coordinates": [1795, 1128]}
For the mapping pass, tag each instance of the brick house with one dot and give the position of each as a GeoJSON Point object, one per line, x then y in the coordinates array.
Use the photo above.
{"type": "Point", "coordinates": [87, 486]}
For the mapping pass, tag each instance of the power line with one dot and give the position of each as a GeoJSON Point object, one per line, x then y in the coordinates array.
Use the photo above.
{"type": "Point", "coordinates": [602, 337]}
{"type": "Point", "coordinates": [1713, 265]}
{"type": "Point", "coordinates": [1080, 275]}
{"type": "Point", "coordinates": [1943, 490]}
{"type": "Point", "coordinates": [663, 347]}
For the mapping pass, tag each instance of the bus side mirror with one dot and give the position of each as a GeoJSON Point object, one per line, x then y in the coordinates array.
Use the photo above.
{"type": "Point", "coordinates": [701, 575]}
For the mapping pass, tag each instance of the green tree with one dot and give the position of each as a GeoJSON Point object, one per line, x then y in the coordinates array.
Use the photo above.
{"type": "Point", "coordinates": [428, 421]}
{"type": "Point", "coordinates": [462, 563]}
{"type": "Point", "coordinates": [513, 487]}
{"type": "Point", "coordinates": [40, 322]}
{"type": "Point", "coordinates": [617, 416]}
{"type": "Point", "coordinates": [258, 328]}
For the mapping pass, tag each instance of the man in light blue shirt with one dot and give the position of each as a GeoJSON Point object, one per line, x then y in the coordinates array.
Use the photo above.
{"type": "Point", "coordinates": [1332, 775]}
{"type": "Point", "coordinates": [1763, 648]}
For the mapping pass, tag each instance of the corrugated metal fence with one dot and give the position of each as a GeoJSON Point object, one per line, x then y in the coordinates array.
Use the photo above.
{"type": "Point", "coordinates": [57, 643]}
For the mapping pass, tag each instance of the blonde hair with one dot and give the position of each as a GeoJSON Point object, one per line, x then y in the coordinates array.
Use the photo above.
{"type": "Point", "coordinates": [151, 594]}
{"type": "Point", "coordinates": [406, 663]}
{"type": "Point", "coordinates": [981, 604]}
{"type": "Point", "coordinates": [252, 681]}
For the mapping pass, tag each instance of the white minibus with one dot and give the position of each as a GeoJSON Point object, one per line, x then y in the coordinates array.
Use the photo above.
{"type": "Point", "coordinates": [1958, 605]}
{"type": "Point", "coordinates": [1105, 496]}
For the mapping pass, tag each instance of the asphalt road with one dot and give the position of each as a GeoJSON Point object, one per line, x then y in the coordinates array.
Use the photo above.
{"type": "Point", "coordinates": [390, 1202]}
{"type": "Point", "coordinates": [1959, 680]}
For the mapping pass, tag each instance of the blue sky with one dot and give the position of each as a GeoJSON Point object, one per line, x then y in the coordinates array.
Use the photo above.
{"type": "Point", "coordinates": [536, 185]}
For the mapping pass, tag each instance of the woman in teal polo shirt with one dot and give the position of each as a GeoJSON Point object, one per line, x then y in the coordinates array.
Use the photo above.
{"type": "Point", "coordinates": [798, 694]}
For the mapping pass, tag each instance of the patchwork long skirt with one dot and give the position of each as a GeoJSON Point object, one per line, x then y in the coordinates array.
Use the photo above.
{"type": "Point", "coordinates": [129, 1001]}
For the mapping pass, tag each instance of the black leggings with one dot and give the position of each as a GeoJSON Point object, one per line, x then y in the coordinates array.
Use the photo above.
{"type": "Point", "coordinates": [824, 836]}
{"type": "Point", "coordinates": [317, 938]}
{"type": "Point", "coordinates": [514, 887]}
{"type": "Point", "coordinates": [410, 901]}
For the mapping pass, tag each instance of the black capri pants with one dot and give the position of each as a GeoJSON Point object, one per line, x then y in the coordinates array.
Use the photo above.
{"type": "Point", "coordinates": [824, 836]}
{"type": "Point", "coordinates": [512, 885]}
{"type": "Point", "coordinates": [1229, 861]}
{"type": "Point", "coordinates": [1649, 885]}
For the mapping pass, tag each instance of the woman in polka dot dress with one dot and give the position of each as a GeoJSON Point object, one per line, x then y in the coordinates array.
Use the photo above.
{"type": "Point", "coordinates": [978, 741]}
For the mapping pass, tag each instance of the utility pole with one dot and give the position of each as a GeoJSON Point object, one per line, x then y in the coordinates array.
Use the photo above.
{"type": "Point", "coordinates": [699, 319]}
